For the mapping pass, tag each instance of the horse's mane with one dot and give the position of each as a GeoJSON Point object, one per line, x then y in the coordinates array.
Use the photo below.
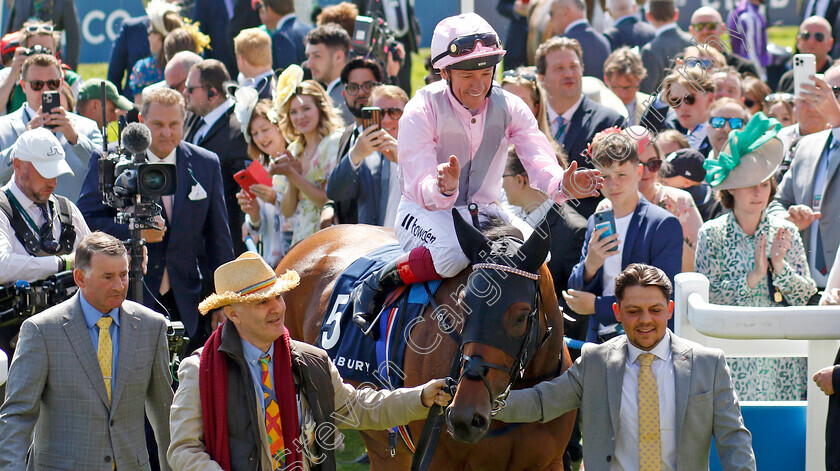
{"type": "Point", "coordinates": [496, 228]}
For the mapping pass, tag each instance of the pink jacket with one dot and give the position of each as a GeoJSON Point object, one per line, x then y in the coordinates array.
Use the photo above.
{"type": "Point", "coordinates": [421, 128]}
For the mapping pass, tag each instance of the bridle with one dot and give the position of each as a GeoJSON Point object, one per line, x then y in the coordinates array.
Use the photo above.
{"type": "Point", "coordinates": [476, 368]}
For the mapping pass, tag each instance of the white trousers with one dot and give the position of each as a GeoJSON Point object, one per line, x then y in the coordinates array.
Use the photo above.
{"type": "Point", "coordinates": [416, 226]}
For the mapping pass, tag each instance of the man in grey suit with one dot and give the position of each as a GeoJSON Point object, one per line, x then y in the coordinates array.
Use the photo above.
{"type": "Point", "coordinates": [666, 397]}
{"type": "Point", "coordinates": [85, 371]}
{"type": "Point", "coordinates": [670, 40]}
{"type": "Point", "coordinates": [810, 190]}
{"type": "Point", "coordinates": [78, 135]}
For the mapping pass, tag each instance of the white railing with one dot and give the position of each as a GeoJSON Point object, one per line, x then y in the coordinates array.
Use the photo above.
{"type": "Point", "coordinates": [808, 331]}
{"type": "Point", "coordinates": [4, 367]}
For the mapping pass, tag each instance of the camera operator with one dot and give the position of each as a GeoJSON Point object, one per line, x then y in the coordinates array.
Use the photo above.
{"type": "Point", "coordinates": [404, 26]}
{"type": "Point", "coordinates": [31, 212]}
{"type": "Point", "coordinates": [195, 216]}
{"type": "Point", "coordinates": [78, 135]}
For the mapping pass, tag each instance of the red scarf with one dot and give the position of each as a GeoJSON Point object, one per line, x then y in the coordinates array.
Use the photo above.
{"type": "Point", "coordinates": [212, 383]}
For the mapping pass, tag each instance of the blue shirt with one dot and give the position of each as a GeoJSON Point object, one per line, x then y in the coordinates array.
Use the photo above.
{"type": "Point", "coordinates": [92, 316]}
{"type": "Point", "coordinates": [252, 357]}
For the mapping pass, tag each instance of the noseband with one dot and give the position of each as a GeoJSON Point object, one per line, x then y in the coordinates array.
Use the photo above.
{"type": "Point", "coordinates": [475, 368]}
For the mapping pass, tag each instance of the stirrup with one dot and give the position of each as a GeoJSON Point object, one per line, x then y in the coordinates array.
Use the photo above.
{"type": "Point", "coordinates": [367, 326]}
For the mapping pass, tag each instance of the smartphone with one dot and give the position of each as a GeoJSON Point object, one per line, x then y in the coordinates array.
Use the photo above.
{"type": "Point", "coordinates": [253, 174]}
{"type": "Point", "coordinates": [371, 115]}
{"type": "Point", "coordinates": [606, 218]}
{"type": "Point", "coordinates": [804, 66]}
{"type": "Point", "coordinates": [49, 102]}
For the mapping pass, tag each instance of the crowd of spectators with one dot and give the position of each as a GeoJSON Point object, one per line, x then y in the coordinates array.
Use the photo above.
{"type": "Point", "coordinates": [227, 85]}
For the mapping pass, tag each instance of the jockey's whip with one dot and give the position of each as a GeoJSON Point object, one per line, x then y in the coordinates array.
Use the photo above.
{"type": "Point", "coordinates": [473, 208]}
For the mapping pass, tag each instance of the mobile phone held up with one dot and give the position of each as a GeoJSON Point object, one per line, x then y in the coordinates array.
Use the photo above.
{"type": "Point", "coordinates": [804, 66]}
{"type": "Point", "coordinates": [49, 102]}
{"type": "Point", "coordinates": [371, 115]}
{"type": "Point", "coordinates": [253, 174]}
{"type": "Point", "coordinates": [606, 219]}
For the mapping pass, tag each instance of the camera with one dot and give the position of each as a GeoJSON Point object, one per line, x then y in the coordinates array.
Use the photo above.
{"type": "Point", "coordinates": [130, 184]}
{"type": "Point", "coordinates": [373, 39]}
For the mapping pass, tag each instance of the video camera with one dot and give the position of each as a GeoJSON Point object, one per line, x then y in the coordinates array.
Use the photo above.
{"type": "Point", "coordinates": [372, 39]}
{"type": "Point", "coordinates": [130, 184]}
{"type": "Point", "coordinates": [21, 299]}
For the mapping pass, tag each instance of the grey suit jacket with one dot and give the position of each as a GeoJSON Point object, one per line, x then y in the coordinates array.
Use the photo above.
{"type": "Point", "coordinates": [797, 187]}
{"type": "Point", "coordinates": [706, 404]}
{"type": "Point", "coordinates": [14, 124]}
{"type": "Point", "coordinates": [659, 53]}
{"type": "Point", "coordinates": [55, 387]}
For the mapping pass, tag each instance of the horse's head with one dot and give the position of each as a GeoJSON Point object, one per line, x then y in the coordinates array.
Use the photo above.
{"type": "Point", "coordinates": [500, 303]}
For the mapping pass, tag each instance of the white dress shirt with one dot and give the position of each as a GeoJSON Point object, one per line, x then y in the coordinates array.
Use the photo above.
{"type": "Point", "coordinates": [211, 119]}
{"type": "Point", "coordinates": [627, 435]}
{"type": "Point", "coordinates": [15, 261]}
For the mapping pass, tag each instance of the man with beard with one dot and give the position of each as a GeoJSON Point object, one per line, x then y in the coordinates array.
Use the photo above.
{"type": "Point", "coordinates": [358, 77]}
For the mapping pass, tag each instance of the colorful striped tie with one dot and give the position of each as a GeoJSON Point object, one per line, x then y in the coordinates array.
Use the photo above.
{"type": "Point", "coordinates": [272, 418]}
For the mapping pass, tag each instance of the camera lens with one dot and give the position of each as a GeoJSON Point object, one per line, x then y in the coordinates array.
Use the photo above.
{"type": "Point", "coordinates": [154, 180]}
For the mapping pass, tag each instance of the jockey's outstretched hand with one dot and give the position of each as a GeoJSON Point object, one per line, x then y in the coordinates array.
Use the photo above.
{"type": "Point", "coordinates": [581, 183]}
{"type": "Point", "coordinates": [448, 174]}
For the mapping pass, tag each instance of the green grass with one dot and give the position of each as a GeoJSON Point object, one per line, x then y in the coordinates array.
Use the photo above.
{"type": "Point", "coordinates": [783, 35]}
{"type": "Point", "coordinates": [353, 448]}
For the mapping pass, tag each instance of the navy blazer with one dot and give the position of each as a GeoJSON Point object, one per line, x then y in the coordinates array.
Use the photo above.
{"type": "Point", "coordinates": [364, 184]}
{"type": "Point", "coordinates": [215, 22]}
{"type": "Point", "coordinates": [195, 226]}
{"type": "Point", "coordinates": [629, 32]}
{"type": "Point", "coordinates": [517, 38]}
{"type": "Point", "coordinates": [590, 118]}
{"type": "Point", "coordinates": [595, 48]}
{"type": "Point", "coordinates": [654, 237]}
{"type": "Point", "coordinates": [659, 54]}
{"type": "Point", "coordinates": [131, 45]}
{"type": "Point", "coordinates": [287, 44]}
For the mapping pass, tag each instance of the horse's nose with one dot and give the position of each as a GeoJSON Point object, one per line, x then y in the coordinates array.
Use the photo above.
{"type": "Point", "coordinates": [467, 425]}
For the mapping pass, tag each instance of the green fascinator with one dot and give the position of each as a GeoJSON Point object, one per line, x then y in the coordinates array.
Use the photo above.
{"type": "Point", "coordinates": [751, 155]}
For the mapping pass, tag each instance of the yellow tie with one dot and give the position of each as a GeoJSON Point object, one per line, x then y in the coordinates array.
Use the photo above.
{"type": "Point", "coordinates": [105, 351]}
{"type": "Point", "coordinates": [650, 454]}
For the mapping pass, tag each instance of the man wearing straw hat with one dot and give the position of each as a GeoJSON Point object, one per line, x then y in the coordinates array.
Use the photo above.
{"type": "Point", "coordinates": [252, 398]}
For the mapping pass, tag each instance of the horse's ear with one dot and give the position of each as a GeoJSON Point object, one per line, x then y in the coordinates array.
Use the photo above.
{"type": "Point", "coordinates": [535, 249]}
{"type": "Point", "coordinates": [474, 244]}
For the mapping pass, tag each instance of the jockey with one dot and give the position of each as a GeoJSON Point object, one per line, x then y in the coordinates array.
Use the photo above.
{"type": "Point", "coordinates": [453, 145]}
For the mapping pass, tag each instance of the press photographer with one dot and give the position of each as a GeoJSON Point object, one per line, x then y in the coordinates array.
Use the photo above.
{"type": "Point", "coordinates": [38, 232]}
{"type": "Point", "coordinates": [193, 220]}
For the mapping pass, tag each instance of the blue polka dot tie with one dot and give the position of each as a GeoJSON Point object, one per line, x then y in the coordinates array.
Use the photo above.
{"type": "Point", "coordinates": [650, 455]}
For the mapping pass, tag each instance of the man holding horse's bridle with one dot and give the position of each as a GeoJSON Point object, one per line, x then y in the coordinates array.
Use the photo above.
{"type": "Point", "coordinates": [252, 398]}
{"type": "Point", "coordinates": [452, 152]}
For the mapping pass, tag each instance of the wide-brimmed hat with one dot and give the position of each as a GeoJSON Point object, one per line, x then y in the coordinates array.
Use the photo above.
{"type": "Point", "coordinates": [751, 155]}
{"type": "Point", "coordinates": [247, 279]}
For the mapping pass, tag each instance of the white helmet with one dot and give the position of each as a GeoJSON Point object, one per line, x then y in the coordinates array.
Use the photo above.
{"type": "Point", "coordinates": [465, 42]}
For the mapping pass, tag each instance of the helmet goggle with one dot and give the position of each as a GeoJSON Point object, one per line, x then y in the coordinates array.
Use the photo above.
{"type": "Point", "coordinates": [463, 45]}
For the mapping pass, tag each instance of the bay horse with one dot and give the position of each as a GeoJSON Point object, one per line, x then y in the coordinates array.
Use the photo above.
{"type": "Point", "coordinates": [485, 370]}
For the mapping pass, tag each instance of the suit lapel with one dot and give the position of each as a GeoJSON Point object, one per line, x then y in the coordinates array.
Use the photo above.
{"type": "Point", "coordinates": [79, 336]}
{"type": "Point", "coordinates": [129, 330]}
{"type": "Point", "coordinates": [682, 357]}
{"type": "Point", "coordinates": [385, 179]}
{"type": "Point", "coordinates": [807, 196]}
{"type": "Point", "coordinates": [632, 232]}
{"type": "Point", "coordinates": [218, 125]}
{"type": "Point", "coordinates": [579, 122]}
{"type": "Point", "coordinates": [182, 165]}
{"type": "Point", "coordinates": [615, 379]}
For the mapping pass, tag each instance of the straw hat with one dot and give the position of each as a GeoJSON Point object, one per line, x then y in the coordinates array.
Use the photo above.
{"type": "Point", "coordinates": [247, 279]}
{"type": "Point", "coordinates": [751, 155]}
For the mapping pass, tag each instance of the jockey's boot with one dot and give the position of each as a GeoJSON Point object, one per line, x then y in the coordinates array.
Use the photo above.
{"type": "Point", "coordinates": [368, 297]}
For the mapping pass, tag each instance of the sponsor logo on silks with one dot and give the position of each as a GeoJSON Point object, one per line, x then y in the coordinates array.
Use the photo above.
{"type": "Point", "coordinates": [352, 364]}
{"type": "Point", "coordinates": [409, 223]}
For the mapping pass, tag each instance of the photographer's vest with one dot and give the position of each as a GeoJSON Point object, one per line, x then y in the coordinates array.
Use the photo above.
{"type": "Point", "coordinates": [451, 140]}
{"type": "Point", "coordinates": [22, 224]}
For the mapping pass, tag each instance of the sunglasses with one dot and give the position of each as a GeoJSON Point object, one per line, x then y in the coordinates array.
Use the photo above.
{"type": "Point", "coordinates": [353, 88]}
{"type": "Point", "coordinates": [710, 25]}
{"type": "Point", "coordinates": [524, 75]}
{"type": "Point", "coordinates": [653, 165]}
{"type": "Point", "coordinates": [734, 123]}
{"type": "Point", "coordinates": [689, 99]}
{"type": "Point", "coordinates": [37, 85]}
{"type": "Point", "coordinates": [393, 113]}
{"type": "Point", "coordinates": [42, 28]}
{"type": "Point", "coordinates": [702, 63]}
{"type": "Point", "coordinates": [818, 37]}
{"type": "Point", "coordinates": [463, 45]}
